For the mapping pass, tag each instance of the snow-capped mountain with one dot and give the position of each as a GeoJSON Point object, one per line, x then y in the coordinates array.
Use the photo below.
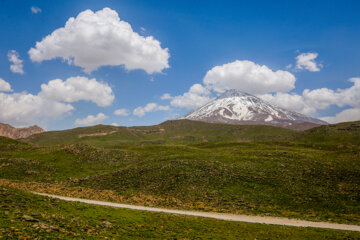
{"type": "Point", "coordinates": [236, 107]}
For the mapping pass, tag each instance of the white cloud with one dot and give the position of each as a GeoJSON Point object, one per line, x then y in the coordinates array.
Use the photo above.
{"type": "Point", "coordinates": [249, 77]}
{"type": "Point", "coordinates": [23, 109]}
{"type": "Point", "coordinates": [290, 101]}
{"type": "Point", "coordinates": [35, 10]}
{"type": "Point", "coordinates": [5, 86]}
{"type": "Point", "coordinates": [241, 75]}
{"type": "Point", "coordinates": [272, 86]}
{"type": "Point", "coordinates": [194, 98]}
{"type": "Point", "coordinates": [306, 61]}
{"type": "Point", "coordinates": [352, 114]}
{"type": "Point", "coordinates": [165, 96]}
{"type": "Point", "coordinates": [321, 98]}
{"type": "Point", "coordinates": [91, 120]}
{"type": "Point", "coordinates": [312, 100]}
{"type": "Point", "coordinates": [351, 96]}
{"type": "Point", "coordinates": [92, 40]}
{"type": "Point", "coordinates": [115, 124]}
{"type": "Point", "coordinates": [150, 107]}
{"type": "Point", "coordinates": [122, 112]}
{"type": "Point", "coordinates": [17, 63]}
{"type": "Point", "coordinates": [78, 88]}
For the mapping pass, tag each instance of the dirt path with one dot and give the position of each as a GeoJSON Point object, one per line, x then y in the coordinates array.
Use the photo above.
{"type": "Point", "coordinates": [221, 216]}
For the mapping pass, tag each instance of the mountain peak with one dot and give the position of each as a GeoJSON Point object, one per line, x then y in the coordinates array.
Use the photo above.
{"type": "Point", "coordinates": [237, 107]}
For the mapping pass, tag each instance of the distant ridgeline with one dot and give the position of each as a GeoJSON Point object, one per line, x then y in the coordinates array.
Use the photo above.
{"type": "Point", "coordinates": [9, 131]}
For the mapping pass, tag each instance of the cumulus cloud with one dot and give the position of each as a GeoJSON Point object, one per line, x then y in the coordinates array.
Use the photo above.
{"type": "Point", "coordinates": [290, 101]}
{"type": "Point", "coordinates": [272, 86]}
{"type": "Point", "coordinates": [95, 39]}
{"type": "Point", "coordinates": [249, 77]}
{"type": "Point", "coordinates": [150, 107]}
{"type": "Point", "coordinates": [244, 75]}
{"type": "Point", "coordinates": [194, 98]}
{"type": "Point", "coordinates": [306, 61]}
{"type": "Point", "coordinates": [17, 63]}
{"type": "Point", "coordinates": [23, 109]}
{"type": "Point", "coordinates": [352, 114]}
{"type": "Point", "coordinates": [312, 100]}
{"type": "Point", "coordinates": [5, 86]}
{"type": "Point", "coordinates": [91, 120]}
{"type": "Point", "coordinates": [78, 88]}
{"type": "Point", "coordinates": [122, 112]}
{"type": "Point", "coordinates": [165, 96]}
{"type": "Point", "coordinates": [288, 66]}
{"type": "Point", "coordinates": [35, 10]}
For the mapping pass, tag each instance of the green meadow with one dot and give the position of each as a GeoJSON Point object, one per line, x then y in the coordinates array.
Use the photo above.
{"type": "Point", "coordinates": [256, 170]}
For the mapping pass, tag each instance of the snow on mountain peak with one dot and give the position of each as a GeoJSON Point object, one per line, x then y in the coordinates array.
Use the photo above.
{"type": "Point", "coordinates": [237, 107]}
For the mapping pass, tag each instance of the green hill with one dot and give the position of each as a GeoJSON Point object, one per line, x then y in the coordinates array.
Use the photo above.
{"type": "Point", "coordinates": [263, 170]}
{"type": "Point", "coordinates": [347, 133]}
{"type": "Point", "coordinates": [169, 132]}
{"type": "Point", "coordinates": [27, 216]}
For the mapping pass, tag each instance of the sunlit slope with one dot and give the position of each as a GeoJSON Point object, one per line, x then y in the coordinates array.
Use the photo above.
{"type": "Point", "coordinates": [27, 216]}
{"type": "Point", "coordinates": [193, 132]}
{"type": "Point", "coordinates": [334, 134]}
{"type": "Point", "coordinates": [169, 132]}
{"type": "Point", "coordinates": [280, 178]}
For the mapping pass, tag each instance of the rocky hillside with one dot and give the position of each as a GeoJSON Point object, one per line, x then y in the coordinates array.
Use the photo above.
{"type": "Point", "coordinates": [236, 107]}
{"type": "Point", "coordinates": [9, 131]}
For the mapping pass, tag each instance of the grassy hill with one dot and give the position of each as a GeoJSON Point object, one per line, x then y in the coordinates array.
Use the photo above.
{"type": "Point", "coordinates": [263, 170]}
{"type": "Point", "coordinates": [27, 216]}
{"type": "Point", "coordinates": [169, 132]}
{"type": "Point", "coordinates": [342, 134]}
{"type": "Point", "coordinates": [185, 132]}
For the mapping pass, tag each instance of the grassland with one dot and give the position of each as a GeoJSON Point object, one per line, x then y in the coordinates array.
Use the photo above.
{"type": "Point", "coordinates": [258, 170]}
{"type": "Point", "coordinates": [183, 132]}
{"type": "Point", "coordinates": [26, 216]}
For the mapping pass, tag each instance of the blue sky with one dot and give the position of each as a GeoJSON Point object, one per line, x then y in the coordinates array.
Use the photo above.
{"type": "Point", "coordinates": [198, 36]}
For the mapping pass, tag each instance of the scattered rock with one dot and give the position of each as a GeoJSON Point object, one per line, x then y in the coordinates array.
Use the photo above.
{"type": "Point", "coordinates": [48, 227]}
{"type": "Point", "coordinates": [106, 224]}
{"type": "Point", "coordinates": [29, 218]}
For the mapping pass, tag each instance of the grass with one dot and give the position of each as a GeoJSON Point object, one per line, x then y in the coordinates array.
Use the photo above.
{"type": "Point", "coordinates": [57, 219]}
{"type": "Point", "coordinates": [170, 132]}
{"type": "Point", "coordinates": [257, 170]}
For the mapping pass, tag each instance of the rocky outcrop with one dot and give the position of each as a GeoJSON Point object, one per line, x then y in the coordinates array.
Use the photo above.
{"type": "Point", "coordinates": [9, 131]}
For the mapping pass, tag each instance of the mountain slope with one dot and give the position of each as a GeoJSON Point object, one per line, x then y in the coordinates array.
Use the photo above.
{"type": "Point", "coordinates": [169, 132]}
{"type": "Point", "coordinates": [9, 131]}
{"type": "Point", "coordinates": [236, 107]}
{"type": "Point", "coordinates": [201, 166]}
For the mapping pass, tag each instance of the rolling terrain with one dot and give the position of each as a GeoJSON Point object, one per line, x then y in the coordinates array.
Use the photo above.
{"type": "Point", "coordinates": [28, 216]}
{"type": "Point", "coordinates": [183, 132]}
{"type": "Point", "coordinates": [256, 170]}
